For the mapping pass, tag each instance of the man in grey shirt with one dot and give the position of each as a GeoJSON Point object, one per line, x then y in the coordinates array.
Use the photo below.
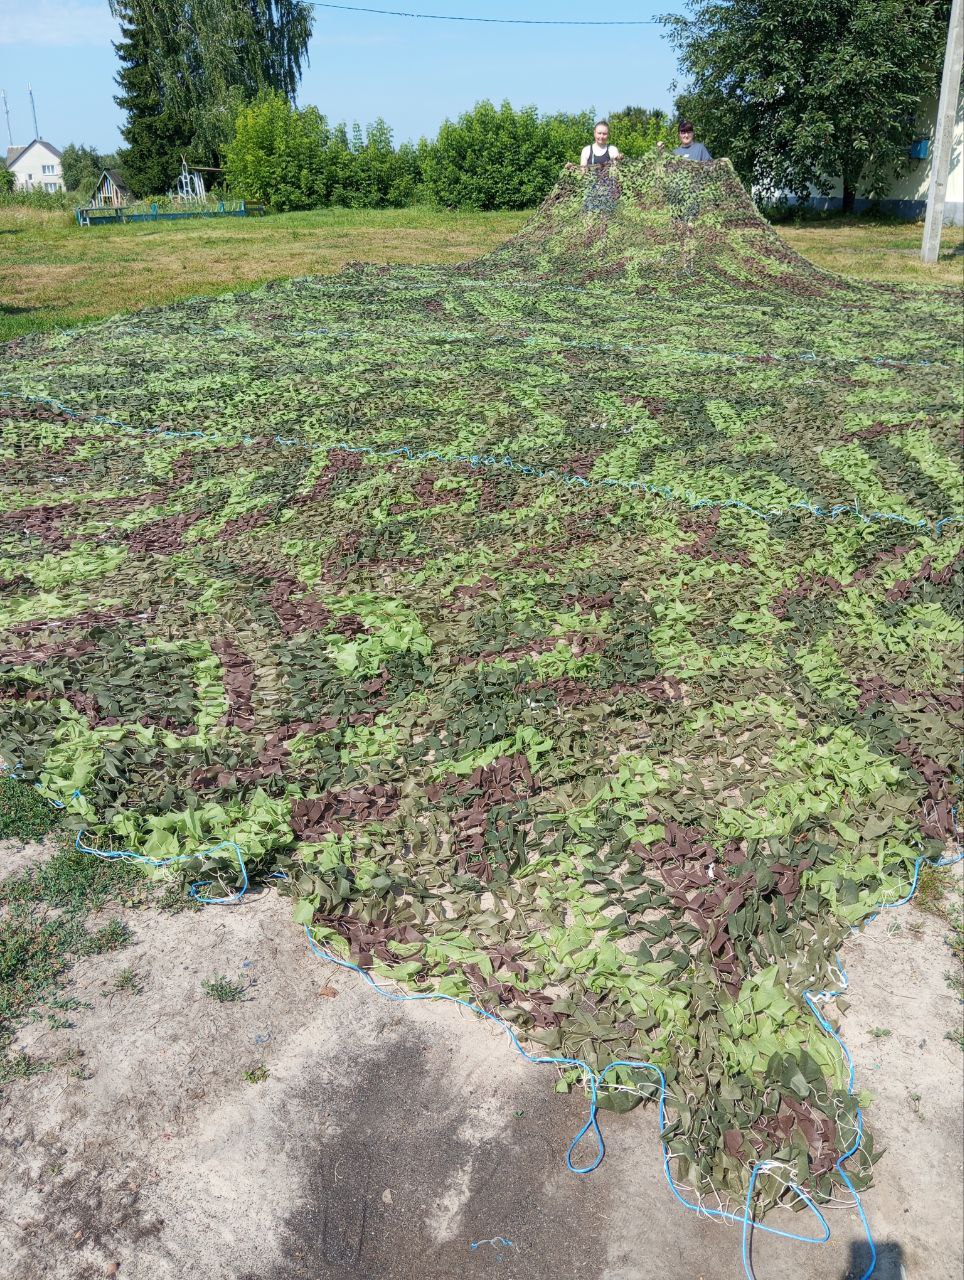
{"type": "Point", "coordinates": [687, 148]}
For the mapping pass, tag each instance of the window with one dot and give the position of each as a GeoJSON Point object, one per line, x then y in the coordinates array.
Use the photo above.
{"type": "Point", "coordinates": [49, 168]}
{"type": "Point", "coordinates": [30, 177]}
{"type": "Point", "coordinates": [51, 186]}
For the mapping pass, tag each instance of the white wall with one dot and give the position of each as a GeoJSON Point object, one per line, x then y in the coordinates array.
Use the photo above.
{"type": "Point", "coordinates": [907, 195]}
{"type": "Point", "coordinates": [913, 185]}
{"type": "Point", "coordinates": [28, 169]}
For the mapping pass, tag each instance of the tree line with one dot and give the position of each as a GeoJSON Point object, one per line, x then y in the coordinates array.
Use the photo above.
{"type": "Point", "coordinates": [490, 158]}
{"type": "Point", "coordinates": [799, 97]}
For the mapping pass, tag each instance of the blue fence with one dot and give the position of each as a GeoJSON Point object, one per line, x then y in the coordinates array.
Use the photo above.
{"type": "Point", "coordinates": [98, 217]}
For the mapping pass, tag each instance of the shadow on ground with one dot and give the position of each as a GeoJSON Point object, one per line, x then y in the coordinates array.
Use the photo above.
{"type": "Point", "coordinates": [396, 1194]}
{"type": "Point", "coordinates": [890, 1262]}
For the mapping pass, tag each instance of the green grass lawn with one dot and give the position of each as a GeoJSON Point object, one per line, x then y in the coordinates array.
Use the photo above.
{"type": "Point", "coordinates": [873, 249]}
{"type": "Point", "coordinates": [56, 274]}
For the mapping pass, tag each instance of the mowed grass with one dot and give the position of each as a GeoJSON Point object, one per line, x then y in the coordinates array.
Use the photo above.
{"type": "Point", "coordinates": [56, 274]}
{"type": "Point", "coordinates": [877, 250]}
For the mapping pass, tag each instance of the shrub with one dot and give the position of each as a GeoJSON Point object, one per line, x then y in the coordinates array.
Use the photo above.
{"type": "Point", "coordinates": [372, 173]}
{"type": "Point", "coordinates": [373, 164]}
{"type": "Point", "coordinates": [501, 158]}
{"type": "Point", "coordinates": [52, 200]}
{"type": "Point", "coordinates": [490, 158]}
{"type": "Point", "coordinates": [82, 167]}
{"type": "Point", "coordinates": [636, 131]}
{"type": "Point", "coordinates": [280, 156]}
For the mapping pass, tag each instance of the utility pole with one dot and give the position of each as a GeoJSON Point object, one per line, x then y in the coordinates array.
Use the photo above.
{"type": "Point", "coordinates": [33, 108]}
{"type": "Point", "coordinates": [944, 135]}
{"type": "Point", "coordinates": [6, 112]}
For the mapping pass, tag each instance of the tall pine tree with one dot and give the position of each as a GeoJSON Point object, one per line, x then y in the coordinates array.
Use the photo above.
{"type": "Point", "coordinates": [207, 59]}
{"type": "Point", "coordinates": [156, 133]}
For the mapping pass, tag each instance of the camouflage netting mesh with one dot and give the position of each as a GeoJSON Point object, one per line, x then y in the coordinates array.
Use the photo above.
{"type": "Point", "coordinates": [537, 616]}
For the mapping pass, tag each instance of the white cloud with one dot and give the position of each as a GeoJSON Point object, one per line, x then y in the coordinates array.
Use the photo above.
{"type": "Point", "coordinates": [56, 22]}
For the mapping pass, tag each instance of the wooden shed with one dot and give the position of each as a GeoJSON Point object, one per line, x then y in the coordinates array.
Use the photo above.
{"type": "Point", "coordinates": [110, 191]}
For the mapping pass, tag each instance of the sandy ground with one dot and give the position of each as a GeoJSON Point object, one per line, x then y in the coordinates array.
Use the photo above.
{"type": "Point", "coordinates": [408, 1141]}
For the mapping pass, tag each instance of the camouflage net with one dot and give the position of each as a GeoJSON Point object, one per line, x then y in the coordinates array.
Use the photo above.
{"type": "Point", "coordinates": [495, 606]}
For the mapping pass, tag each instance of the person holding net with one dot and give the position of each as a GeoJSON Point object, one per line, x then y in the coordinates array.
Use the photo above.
{"type": "Point", "coordinates": [598, 159]}
{"type": "Point", "coordinates": [599, 151]}
{"type": "Point", "coordinates": [687, 148]}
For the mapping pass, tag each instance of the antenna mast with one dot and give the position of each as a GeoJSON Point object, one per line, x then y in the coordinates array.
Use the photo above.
{"type": "Point", "coordinates": [33, 108]}
{"type": "Point", "coordinates": [6, 112]}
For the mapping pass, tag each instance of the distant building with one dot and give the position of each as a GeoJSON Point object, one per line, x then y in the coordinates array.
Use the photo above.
{"type": "Point", "coordinates": [110, 191]}
{"type": "Point", "coordinates": [35, 167]}
{"type": "Point", "coordinates": [906, 196]}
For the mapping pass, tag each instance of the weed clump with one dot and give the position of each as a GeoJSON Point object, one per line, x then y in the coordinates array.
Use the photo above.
{"type": "Point", "coordinates": [43, 930]}
{"type": "Point", "coordinates": [224, 990]}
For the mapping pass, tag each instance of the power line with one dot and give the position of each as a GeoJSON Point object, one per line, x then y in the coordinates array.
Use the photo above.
{"type": "Point", "coordinates": [514, 22]}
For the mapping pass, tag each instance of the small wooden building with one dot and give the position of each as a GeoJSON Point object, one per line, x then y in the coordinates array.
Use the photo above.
{"type": "Point", "coordinates": [110, 192]}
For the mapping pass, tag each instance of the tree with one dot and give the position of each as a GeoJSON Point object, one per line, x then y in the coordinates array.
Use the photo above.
{"type": "Point", "coordinates": [211, 57]}
{"type": "Point", "coordinates": [637, 130]}
{"type": "Point", "coordinates": [377, 175]}
{"type": "Point", "coordinates": [640, 119]}
{"type": "Point", "coordinates": [156, 135]}
{"type": "Point", "coordinates": [82, 166]}
{"type": "Point", "coordinates": [800, 95]}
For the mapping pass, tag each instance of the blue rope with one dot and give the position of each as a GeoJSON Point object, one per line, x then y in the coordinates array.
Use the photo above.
{"type": "Point", "coordinates": [326, 285]}
{"type": "Point", "coordinates": [487, 460]}
{"type": "Point", "coordinates": [641, 486]}
{"type": "Point", "coordinates": [549, 343]}
{"type": "Point", "coordinates": [808, 357]}
{"type": "Point", "coordinates": [594, 1080]}
{"type": "Point", "coordinates": [810, 998]}
{"type": "Point", "coordinates": [127, 855]}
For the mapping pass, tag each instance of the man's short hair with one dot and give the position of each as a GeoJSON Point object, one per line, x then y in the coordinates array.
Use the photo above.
{"type": "Point", "coordinates": [686, 126]}
{"type": "Point", "coordinates": [599, 122]}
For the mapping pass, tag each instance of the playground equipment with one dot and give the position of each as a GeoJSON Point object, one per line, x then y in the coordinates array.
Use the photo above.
{"type": "Point", "coordinates": [190, 188]}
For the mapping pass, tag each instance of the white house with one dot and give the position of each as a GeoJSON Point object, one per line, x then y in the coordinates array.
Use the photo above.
{"type": "Point", "coordinates": [906, 196]}
{"type": "Point", "coordinates": [36, 167]}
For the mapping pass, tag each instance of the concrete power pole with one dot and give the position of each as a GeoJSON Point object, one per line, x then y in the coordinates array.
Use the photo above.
{"type": "Point", "coordinates": [944, 135]}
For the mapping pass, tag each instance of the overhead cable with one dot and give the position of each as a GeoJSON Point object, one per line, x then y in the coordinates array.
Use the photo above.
{"type": "Point", "coordinates": [514, 22]}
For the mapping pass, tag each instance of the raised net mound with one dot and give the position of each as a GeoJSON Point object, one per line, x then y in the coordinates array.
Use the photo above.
{"type": "Point", "coordinates": [657, 226]}
{"type": "Point", "coordinates": [578, 628]}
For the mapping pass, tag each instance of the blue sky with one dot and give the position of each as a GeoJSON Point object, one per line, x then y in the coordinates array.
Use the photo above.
{"type": "Point", "coordinates": [412, 73]}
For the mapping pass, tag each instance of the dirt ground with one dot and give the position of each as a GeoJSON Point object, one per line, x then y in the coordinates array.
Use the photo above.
{"type": "Point", "coordinates": [402, 1141]}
